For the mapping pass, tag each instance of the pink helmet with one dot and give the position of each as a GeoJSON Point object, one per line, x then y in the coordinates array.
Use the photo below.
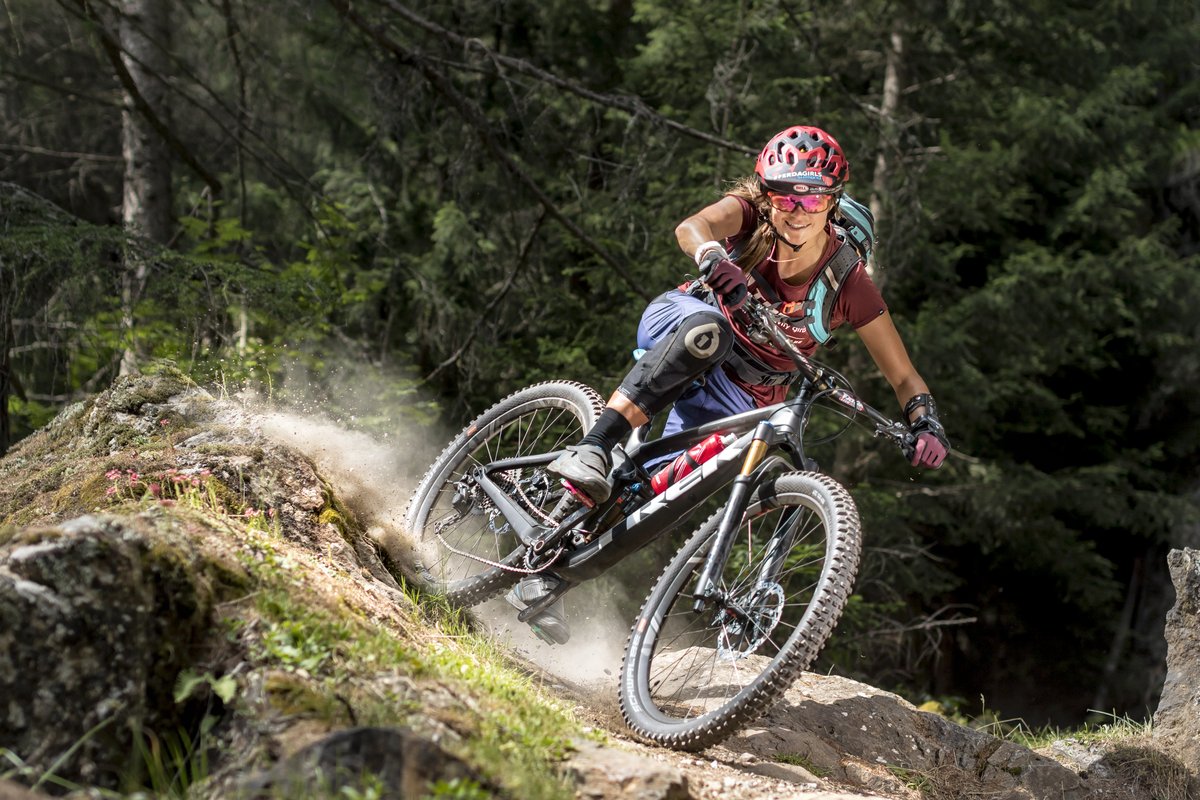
{"type": "Point", "coordinates": [803, 160]}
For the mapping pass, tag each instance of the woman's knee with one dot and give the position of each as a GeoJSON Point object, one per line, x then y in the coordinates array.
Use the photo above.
{"type": "Point", "coordinates": [700, 341]}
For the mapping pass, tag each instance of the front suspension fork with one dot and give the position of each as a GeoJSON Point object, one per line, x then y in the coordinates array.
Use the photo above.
{"type": "Point", "coordinates": [706, 585]}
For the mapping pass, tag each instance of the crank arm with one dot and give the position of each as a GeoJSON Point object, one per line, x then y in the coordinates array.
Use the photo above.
{"type": "Point", "coordinates": [544, 602]}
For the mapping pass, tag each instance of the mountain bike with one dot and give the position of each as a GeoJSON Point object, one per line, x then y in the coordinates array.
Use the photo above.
{"type": "Point", "coordinates": [748, 599]}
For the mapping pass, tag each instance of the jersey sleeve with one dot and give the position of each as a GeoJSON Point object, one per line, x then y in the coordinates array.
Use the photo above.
{"type": "Point", "coordinates": [860, 300]}
{"type": "Point", "coordinates": [749, 223]}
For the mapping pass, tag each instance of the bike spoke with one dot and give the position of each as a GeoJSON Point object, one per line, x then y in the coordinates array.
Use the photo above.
{"type": "Point", "coordinates": [541, 430]}
{"type": "Point", "coordinates": [702, 660]}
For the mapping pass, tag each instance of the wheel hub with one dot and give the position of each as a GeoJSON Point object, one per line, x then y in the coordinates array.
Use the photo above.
{"type": "Point", "coordinates": [745, 623]}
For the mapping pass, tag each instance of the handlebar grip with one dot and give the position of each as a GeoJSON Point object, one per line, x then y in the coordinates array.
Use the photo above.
{"type": "Point", "coordinates": [737, 296]}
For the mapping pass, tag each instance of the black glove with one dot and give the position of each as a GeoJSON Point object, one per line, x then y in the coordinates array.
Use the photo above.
{"type": "Point", "coordinates": [723, 276]}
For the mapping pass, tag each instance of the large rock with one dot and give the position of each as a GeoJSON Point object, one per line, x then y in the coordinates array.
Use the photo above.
{"type": "Point", "coordinates": [388, 763]}
{"type": "Point", "coordinates": [861, 735]}
{"type": "Point", "coordinates": [97, 618]}
{"type": "Point", "coordinates": [603, 772]}
{"type": "Point", "coordinates": [15, 791]}
{"type": "Point", "coordinates": [1177, 720]}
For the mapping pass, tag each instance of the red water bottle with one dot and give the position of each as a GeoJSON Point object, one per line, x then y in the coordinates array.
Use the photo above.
{"type": "Point", "coordinates": [684, 463]}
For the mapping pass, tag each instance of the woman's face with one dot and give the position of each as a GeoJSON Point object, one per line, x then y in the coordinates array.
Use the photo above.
{"type": "Point", "coordinates": [798, 226]}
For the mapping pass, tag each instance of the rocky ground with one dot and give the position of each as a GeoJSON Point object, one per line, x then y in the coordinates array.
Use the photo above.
{"type": "Point", "coordinates": [142, 530]}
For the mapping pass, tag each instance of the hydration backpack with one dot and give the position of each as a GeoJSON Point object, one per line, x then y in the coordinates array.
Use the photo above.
{"type": "Point", "coordinates": [854, 226]}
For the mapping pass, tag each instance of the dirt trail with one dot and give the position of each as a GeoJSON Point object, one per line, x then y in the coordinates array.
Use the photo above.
{"type": "Point", "coordinates": [584, 673]}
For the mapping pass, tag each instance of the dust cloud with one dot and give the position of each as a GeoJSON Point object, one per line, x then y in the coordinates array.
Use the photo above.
{"type": "Point", "coordinates": [376, 474]}
{"type": "Point", "coordinates": [591, 659]}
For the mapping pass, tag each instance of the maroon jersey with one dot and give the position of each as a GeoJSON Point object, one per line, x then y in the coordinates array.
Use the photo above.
{"type": "Point", "coordinates": [858, 303]}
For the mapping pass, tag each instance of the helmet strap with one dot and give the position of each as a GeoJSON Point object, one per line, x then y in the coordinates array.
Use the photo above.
{"type": "Point", "coordinates": [779, 237]}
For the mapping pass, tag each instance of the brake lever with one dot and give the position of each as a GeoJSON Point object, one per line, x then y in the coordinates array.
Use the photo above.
{"type": "Point", "coordinates": [903, 438]}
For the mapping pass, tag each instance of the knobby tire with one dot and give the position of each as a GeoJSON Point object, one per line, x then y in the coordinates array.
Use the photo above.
{"type": "Point", "coordinates": [690, 680]}
{"type": "Point", "coordinates": [538, 419]}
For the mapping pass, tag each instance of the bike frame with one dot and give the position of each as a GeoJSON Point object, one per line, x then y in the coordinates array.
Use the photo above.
{"type": "Point", "coordinates": [761, 432]}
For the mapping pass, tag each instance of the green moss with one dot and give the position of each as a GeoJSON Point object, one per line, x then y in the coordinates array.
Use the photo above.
{"type": "Point", "coordinates": [231, 450]}
{"type": "Point", "coordinates": [160, 381]}
{"type": "Point", "coordinates": [795, 759]}
{"type": "Point", "coordinates": [86, 494]}
{"type": "Point", "coordinates": [330, 516]}
{"type": "Point", "coordinates": [299, 696]}
{"type": "Point", "coordinates": [18, 498]}
{"type": "Point", "coordinates": [335, 512]}
{"type": "Point", "coordinates": [513, 734]}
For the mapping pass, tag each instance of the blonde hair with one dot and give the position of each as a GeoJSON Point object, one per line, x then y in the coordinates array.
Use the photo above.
{"type": "Point", "coordinates": [762, 239]}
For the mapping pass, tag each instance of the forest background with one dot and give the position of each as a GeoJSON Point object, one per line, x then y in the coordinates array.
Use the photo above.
{"type": "Point", "coordinates": [403, 211]}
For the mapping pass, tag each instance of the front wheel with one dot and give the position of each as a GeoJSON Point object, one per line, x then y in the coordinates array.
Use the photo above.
{"type": "Point", "coordinates": [463, 543]}
{"type": "Point", "coordinates": [690, 679]}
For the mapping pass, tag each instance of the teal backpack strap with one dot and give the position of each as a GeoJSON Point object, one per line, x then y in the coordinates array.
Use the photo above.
{"type": "Point", "coordinates": [857, 221]}
{"type": "Point", "coordinates": [822, 297]}
{"type": "Point", "coordinates": [818, 305]}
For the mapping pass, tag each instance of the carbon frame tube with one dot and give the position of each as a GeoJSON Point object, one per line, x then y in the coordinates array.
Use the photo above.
{"type": "Point", "coordinates": [663, 512]}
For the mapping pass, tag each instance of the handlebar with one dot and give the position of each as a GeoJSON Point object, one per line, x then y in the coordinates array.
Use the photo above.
{"type": "Point", "coordinates": [761, 323]}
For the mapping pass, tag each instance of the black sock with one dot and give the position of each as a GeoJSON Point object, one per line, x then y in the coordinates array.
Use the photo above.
{"type": "Point", "coordinates": [610, 429]}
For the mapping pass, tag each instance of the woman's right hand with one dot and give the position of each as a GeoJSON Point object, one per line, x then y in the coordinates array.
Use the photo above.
{"type": "Point", "coordinates": [723, 276]}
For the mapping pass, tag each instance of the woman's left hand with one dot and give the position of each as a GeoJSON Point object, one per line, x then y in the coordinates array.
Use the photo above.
{"type": "Point", "coordinates": [932, 446]}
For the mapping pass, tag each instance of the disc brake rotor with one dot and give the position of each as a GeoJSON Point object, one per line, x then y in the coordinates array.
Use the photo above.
{"type": "Point", "coordinates": [745, 623]}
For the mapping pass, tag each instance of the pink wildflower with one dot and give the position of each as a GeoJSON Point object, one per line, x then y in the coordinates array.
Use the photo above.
{"type": "Point", "coordinates": [113, 474]}
{"type": "Point", "coordinates": [111, 491]}
{"type": "Point", "coordinates": [155, 489]}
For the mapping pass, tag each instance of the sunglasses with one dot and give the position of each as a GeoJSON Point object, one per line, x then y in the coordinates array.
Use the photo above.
{"type": "Point", "coordinates": [811, 203]}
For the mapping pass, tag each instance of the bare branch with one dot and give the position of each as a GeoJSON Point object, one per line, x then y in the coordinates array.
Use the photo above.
{"type": "Point", "coordinates": [487, 312]}
{"type": "Point", "coordinates": [42, 151]}
{"type": "Point", "coordinates": [630, 105]}
{"type": "Point", "coordinates": [476, 119]}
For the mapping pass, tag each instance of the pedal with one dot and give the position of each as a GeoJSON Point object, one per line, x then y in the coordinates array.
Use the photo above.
{"type": "Point", "coordinates": [578, 495]}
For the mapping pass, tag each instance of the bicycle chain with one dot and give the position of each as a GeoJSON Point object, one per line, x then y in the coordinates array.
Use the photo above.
{"type": "Point", "coordinates": [489, 507]}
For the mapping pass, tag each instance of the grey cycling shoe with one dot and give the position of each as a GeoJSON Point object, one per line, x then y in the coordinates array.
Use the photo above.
{"type": "Point", "coordinates": [586, 467]}
{"type": "Point", "coordinates": [550, 625]}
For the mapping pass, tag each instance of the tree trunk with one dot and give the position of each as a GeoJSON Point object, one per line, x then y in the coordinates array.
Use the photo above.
{"type": "Point", "coordinates": [851, 458]}
{"type": "Point", "coordinates": [888, 107]}
{"type": "Point", "coordinates": [6, 343]}
{"type": "Point", "coordinates": [1119, 640]}
{"type": "Point", "coordinates": [144, 33]}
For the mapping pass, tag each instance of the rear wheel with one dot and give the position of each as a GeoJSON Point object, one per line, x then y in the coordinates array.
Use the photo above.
{"type": "Point", "coordinates": [690, 679]}
{"type": "Point", "coordinates": [463, 544]}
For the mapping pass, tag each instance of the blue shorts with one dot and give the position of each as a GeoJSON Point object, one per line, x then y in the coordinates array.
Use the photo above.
{"type": "Point", "coordinates": [718, 396]}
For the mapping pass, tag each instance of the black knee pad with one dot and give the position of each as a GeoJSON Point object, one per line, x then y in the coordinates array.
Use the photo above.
{"type": "Point", "coordinates": [701, 341]}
